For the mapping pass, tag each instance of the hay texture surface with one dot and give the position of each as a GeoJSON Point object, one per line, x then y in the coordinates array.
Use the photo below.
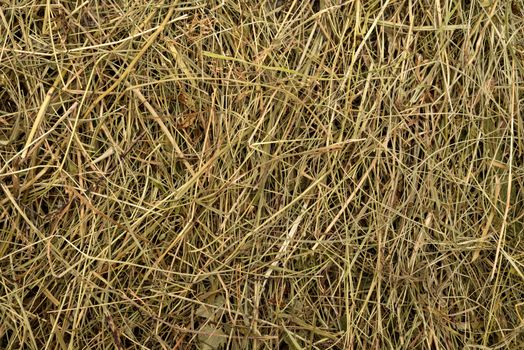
{"type": "Point", "coordinates": [273, 174]}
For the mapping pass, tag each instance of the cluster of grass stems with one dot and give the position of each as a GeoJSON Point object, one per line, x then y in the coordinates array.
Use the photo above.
{"type": "Point", "coordinates": [237, 174]}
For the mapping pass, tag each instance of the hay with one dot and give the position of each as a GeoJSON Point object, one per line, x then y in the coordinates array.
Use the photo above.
{"type": "Point", "coordinates": [261, 175]}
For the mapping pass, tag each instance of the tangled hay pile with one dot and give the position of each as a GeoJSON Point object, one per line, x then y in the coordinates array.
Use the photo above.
{"type": "Point", "coordinates": [261, 174]}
